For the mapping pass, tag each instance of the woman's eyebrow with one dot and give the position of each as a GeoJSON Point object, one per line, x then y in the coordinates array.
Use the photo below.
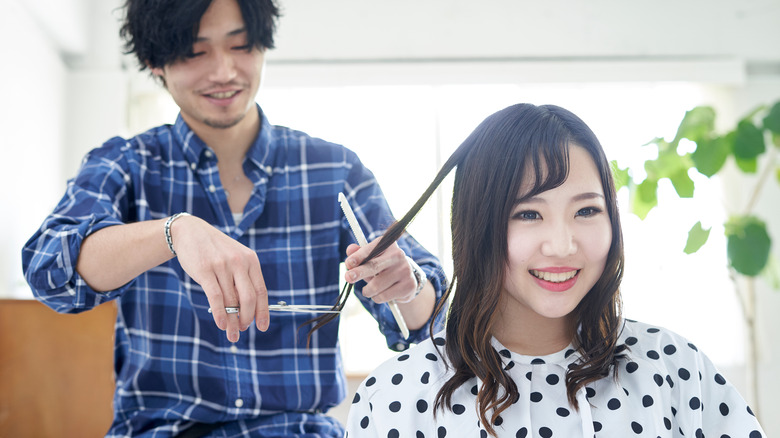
{"type": "Point", "coordinates": [587, 195]}
{"type": "Point", "coordinates": [580, 197]}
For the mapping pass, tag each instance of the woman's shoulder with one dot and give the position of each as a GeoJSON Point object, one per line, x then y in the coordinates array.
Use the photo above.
{"type": "Point", "coordinates": [416, 369]}
{"type": "Point", "coordinates": [660, 347]}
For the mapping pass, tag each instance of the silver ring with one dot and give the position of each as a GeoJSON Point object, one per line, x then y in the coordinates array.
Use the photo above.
{"type": "Point", "coordinates": [228, 309]}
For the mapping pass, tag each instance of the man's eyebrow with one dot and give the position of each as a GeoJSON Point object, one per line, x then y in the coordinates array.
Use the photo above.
{"type": "Point", "coordinates": [230, 34]}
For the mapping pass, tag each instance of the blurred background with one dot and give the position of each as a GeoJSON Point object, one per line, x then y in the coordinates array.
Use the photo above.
{"type": "Point", "coordinates": [402, 83]}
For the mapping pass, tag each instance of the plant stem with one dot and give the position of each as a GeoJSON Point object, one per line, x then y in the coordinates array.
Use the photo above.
{"type": "Point", "coordinates": [753, 341]}
{"type": "Point", "coordinates": [770, 165]}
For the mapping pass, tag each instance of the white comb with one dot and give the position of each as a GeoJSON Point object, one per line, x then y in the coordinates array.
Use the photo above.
{"type": "Point", "coordinates": [361, 240]}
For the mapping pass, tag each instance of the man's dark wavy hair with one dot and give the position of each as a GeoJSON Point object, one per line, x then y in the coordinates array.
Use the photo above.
{"type": "Point", "coordinates": [160, 32]}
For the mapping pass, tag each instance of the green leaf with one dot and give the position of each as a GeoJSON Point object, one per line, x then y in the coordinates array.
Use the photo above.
{"type": "Point", "coordinates": [710, 155]}
{"type": "Point", "coordinates": [697, 124]}
{"type": "Point", "coordinates": [749, 141]}
{"type": "Point", "coordinates": [771, 272]}
{"type": "Point", "coordinates": [620, 175]}
{"type": "Point", "coordinates": [748, 244]}
{"type": "Point", "coordinates": [772, 120]}
{"type": "Point", "coordinates": [683, 184]}
{"type": "Point", "coordinates": [747, 166]}
{"type": "Point", "coordinates": [697, 237]}
{"type": "Point", "coordinates": [643, 197]}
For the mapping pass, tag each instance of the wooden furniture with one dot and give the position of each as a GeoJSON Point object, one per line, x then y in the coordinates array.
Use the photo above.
{"type": "Point", "coordinates": [56, 370]}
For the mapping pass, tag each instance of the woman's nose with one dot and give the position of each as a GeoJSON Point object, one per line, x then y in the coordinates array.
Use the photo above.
{"type": "Point", "coordinates": [559, 241]}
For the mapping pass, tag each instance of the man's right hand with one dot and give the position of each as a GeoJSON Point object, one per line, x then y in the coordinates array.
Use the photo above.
{"type": "Point", "coordinates": [228, 272]}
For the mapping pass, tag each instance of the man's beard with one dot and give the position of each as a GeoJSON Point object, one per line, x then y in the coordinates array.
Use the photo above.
{"type": "Point", "coordinates": [219, 124]}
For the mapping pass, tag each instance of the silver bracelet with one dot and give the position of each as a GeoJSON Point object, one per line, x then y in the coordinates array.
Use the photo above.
{"type": "Point", "coordinates": [419, 275]}
{"type": "Point", "coordinates": [168, 223]}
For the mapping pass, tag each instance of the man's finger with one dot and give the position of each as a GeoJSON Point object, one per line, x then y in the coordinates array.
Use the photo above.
{"type": "Point", "coordinates": [230, 299]}
{"type": "Point", "coordinates": [247, 297]}
{"type": "Point", "coordinates": [262, 318]}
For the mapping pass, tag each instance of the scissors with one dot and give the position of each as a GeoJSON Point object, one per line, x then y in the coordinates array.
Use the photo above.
{"type": "Point", "coordinates": [282, 306]}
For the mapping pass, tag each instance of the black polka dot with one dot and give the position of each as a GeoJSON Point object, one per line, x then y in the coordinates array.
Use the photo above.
{"type": "Point", "coordinates": [439, 341]}
{"type": "Point", "coordinates": [499, 421]}
{"type": "Point", "coordinates": [395, 406]}
{"type": "Point", "coordinates": [755, 434]}
{"type": "Point", "coordinates": [569, 352]}
{"type": "Point", "coordinates": [458, 409]}
{"type": "Point", "coordinates": [670, 349]}
{"type": "Point", "coordinates": [694, 403]}
{"type": "Point", "coordinates": [632, 366]}
{"type": "Point", "coordinates": [431, 357]}
{"type": "Point", "coordinates": [370, 407]}
{"type": "Point", "coordinates": [364, 422]}
{"type": "Point", "coordinates": [636, 427]}
{"type": "Point", "coordinates": [699, 433]}
{"type": "Point", "coordinates": [670, 381]}
{"type": "Point", "coordinates": [647, 401]}
{"type": "Point", "coordinates": [505, 353]}
{"type": "Point", "coordinates": [652, 354]}
{"type": "Point", "coordinates": [683, 374]}
{"type": "Point", "coordinates": [693, 347]}
{"type": "Point", "coordinates": [750, 411]}
{"type": "Point", "coordinates": [653, 330]}
{"type": "Point", "coordinates": [356, 398]}
{"type": "Point", "coordinates": [538, 361]}
{"type": "Point", "coordinates": [674, 411]}
{"type": "Point", "coordinates": [613, 404]}
{"type": "Point", "coordinates": [509, 366]}
{"type": "Point", "coordinates": [719, 379]}
{"type": "Point", "coordinates": [482, 434]}
{"type": "Point", "coordinates": [522, 433]}
{"type": "Point", "coordinates": [371, 381]}
{"type": "Point", "coordinates": [528, 375]}
{"type": "Point", "coordinates": [397, 379]}
{"type": "Point", "coordinates": [625, 390]}
{"type": "Point", "coordinates": [393, 434]}
{"type": "Point", "coordinates": [725, 436]}
{"type": "Point", "coordinates": [442, 432]}
{"type": "Point", "coordinates": [590, 392]}
{"type": "Point", "coordinates": [658, 379]}
{"type": "Point", "coordinates": [474, 390]}
{"type": "Point", "coordinates": [596, 426]}
{"type": "Point", "coordinates": [631, 340]}
{"type": "Point", "coordinates": [552, 379]}
{"type": "Point", "coordinates": [420, 434]}
{"type": "Point", "coordinates": [724, 409]}
{"type": "Point", "coordinates": [403, 357]}
{"type": "Point", "coordinates": [425, 378]}
{"type": "Point", "coordinates": [536, 397]}
{"type": "Point", "coordinates": [422, 406]}
{"type": "Point", "coordinates": [667, 423]}
{"type": "Point", "coordinates": [563, 412]}
{"type": "Point", "coordinates": [545, 432]}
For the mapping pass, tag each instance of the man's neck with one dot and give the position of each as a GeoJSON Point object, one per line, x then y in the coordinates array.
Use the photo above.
{"type": "Point", "coordinates": [230, 144]}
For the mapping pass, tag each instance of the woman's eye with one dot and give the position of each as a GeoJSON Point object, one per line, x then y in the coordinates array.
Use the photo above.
{"type": "Point", "coordinates": [527, 215]}
{"type": "Point", "coordinates": [588, 211]}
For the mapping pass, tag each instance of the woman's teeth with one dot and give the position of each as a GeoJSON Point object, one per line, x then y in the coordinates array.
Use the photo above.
{"type": "Point", "coordinates": [554, 277]}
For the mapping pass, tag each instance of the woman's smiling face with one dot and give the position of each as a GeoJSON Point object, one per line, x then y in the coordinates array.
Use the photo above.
{"type": "Point", "coordinates": [557, 243]}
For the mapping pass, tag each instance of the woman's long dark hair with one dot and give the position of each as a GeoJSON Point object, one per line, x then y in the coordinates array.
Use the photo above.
{"type": "Point", "coordinates": [491, 164]}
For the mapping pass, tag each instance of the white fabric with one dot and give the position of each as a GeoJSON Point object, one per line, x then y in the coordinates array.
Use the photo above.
{"type": "Point", "coordinates": [665, 387]}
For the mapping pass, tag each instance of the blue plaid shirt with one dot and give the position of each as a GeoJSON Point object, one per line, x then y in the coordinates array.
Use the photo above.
{"type": "Point", "coordinates": [173, 366]}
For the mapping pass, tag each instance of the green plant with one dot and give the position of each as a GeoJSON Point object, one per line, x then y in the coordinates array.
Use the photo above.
{"type": "Point", "coordinates": [749, 245]}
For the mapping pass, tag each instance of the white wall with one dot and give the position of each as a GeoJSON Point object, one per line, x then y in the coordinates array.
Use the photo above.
{"type": "Point", "coordinates": [66, 90]}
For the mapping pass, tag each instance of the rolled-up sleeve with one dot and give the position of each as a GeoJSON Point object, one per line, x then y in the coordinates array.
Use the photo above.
{"type": "Point", "coordinates": [95, 199]}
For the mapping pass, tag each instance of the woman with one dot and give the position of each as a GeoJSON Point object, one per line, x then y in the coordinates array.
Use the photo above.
{"type": "Point", "coordinates": [535, 344]}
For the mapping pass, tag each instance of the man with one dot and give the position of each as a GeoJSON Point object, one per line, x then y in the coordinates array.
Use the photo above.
{"type": "Point", "coordinates": [263, 224]}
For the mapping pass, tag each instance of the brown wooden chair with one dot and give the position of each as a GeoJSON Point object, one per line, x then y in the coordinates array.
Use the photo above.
{"type": "Point", "coordinates": [56, 371]}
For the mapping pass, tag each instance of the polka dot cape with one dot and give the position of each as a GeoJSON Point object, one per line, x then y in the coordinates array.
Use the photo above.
{"type": "Point", "coordinates": [665, 387]}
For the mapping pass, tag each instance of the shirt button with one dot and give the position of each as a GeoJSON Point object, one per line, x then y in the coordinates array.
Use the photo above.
{"type": "Point", "coordinates": [239, 403]}
{"type": "Point", "coordinates": [208, 153]}
{"type": "Point", "coordinates": [193, 166]}
{"type": "Point", "coordinates": [233, 349]}
{"type": "Point", "coordinates": [269, 169]}
{"type": "Point", "coordinates": [212, 189]}
{"type": "Point", "coordinates": [400, 347]}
